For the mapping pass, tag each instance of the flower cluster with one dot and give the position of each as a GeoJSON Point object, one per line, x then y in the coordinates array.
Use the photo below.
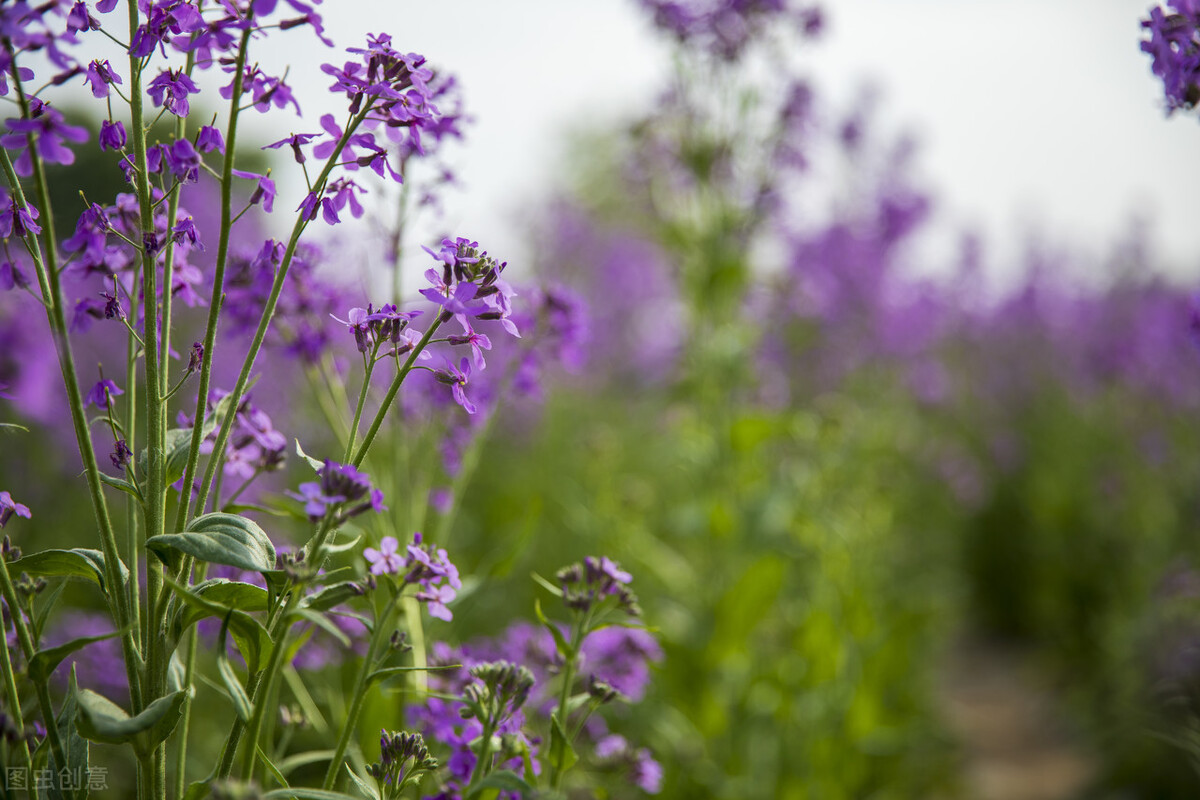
{"type": "Point", "coordinates": [727, 27]}
{"type": "Point", "coordinates": [372, 329]}
{"type": "Point", "coordinates": [403, 760]}
{"type": "Point", "coordinates": [587, 584]}
{"type": "Point", "coordinates": [254, 446]}
{"type": "Point", "coordinates": [343, 491]}
{"type": "Point", "coordinates": [1174, 46]}
{"type": "Point", "coordinates": [421, 565]}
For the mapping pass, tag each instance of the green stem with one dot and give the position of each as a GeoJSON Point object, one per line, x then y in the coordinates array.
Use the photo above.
{"type": "Point", "coordinates": [155, 778]}
{"type": "Point", "coordinates": [360, 693]}
{"type": "Point", "coordinates": [358, 408]}
{"type": "Point", "coordinates": [14, 703]}
{"type": "Point", "coordinates": [483, 763]}
{"type": "Point", "coordinates": [218, 291]}
{"type": "Point", "coordinates": [185, 719]}
{"type": "Point", "coordinates": [46, 269]}
{"type": "Point", "coordinates": [28, 649]}
{"type": "Point", "coordinates": [564, 697]}
{"type": "Point", "coordinates": [269, 311]}
{"type": "Point", "coordinates": [381, 414]}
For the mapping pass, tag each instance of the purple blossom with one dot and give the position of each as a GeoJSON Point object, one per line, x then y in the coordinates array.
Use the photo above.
{"type": "Point", "coordinates": [100, 394]}
{"type": "Point", "coordinates": [385, 560]}
{"type": "Point", "coordinates": [264, 191]}
{"type": "Point", "coordinates": [456, 378]}
{"type": "Point", "coordinates": [17, 220]}
{"type": "Point", "coordinates": [295, 141]}
{"type": "Point", "coordinates": [121, 454]}
{"type": "Point", "coordinates": [340, 486]}
{"type": "Point", "coordinates": [183, 160]}
{"type": "Point", "coordinates": [112, 135]}
{"type": "Point", "coordinates": [477, 341]}
{"type": "Point", "coordinates": [100, 75]}
{"type": "Point", "coordinates": [171, 89]}
{"type": "Point", "coordinates": [9, 507]}
{"type": "Point", "coordinates": [12, 277]}
{"type": "Point", "coordinates": [210, 139]}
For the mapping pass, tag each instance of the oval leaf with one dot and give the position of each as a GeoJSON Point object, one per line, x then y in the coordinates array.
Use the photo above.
{"type": "Point", "coordinates": [77, 563]}
{"type": "Point", "coordinates": [101, 720]}
{"type": "Point", "coordinates": [45, 661]}
{"type": "Point", "coordinates": [220, 538]}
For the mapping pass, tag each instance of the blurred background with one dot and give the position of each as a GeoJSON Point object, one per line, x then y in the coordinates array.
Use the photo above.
{"type": "Point", "coordinates": [868, 347]}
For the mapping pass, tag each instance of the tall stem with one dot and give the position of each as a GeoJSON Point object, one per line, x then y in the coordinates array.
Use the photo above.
{"type": "Point", "coordinates": [28, 647]}
{"type": "Point", "coordinates": [269, 312]}
{"type": "Point", "coordinates": [218, 291]}
{"type": "Point", "coordinates": [46, 269]}
{"type": "Point", "coordinates": [360, 693]}
{"type": "Point", "coordinates": [381, 414]}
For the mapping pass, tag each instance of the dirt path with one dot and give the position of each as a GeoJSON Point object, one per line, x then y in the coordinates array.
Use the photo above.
{"type": "Point", "coordinates": [1009, 722]}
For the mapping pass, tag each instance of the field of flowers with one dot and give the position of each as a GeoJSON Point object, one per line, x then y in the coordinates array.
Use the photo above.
{"type": "Point", "coordinates": [698, 504]}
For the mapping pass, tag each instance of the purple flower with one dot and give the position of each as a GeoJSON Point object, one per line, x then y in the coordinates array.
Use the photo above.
{"type": "Point", "coordinates": [209, 139]}
{"type": "Point", "coordinates": [183, 160]}
{"type": "Point", "coordinates": [121, 454]}
{"type": "Point", "coordinates": [456, 378]}
{"type": "Point", "coordinates": [1174, 47]}
{"type": "Point", "coordinates": [385, 560]}
{"type": "Point", "coordinates": [478, 343]}
{"type": "Point", "coordinates": [340, 485]}
{"type": "Point", "coordinates": [458, 301]}
{"type": "Point", "coordinates": [17, 220]}
{"type": "Point", "coordinates": [171, 89]}
{"type": "Point", "coordinates": [263, 193]}
{"type": "Point", "coordinates": [100, 75]}
{"type": "Point", "coordinates": [47, 128]}
{"type": "Point", "coordinates": [11, 276]}
{"type": "Point", "coordinates": [78, 19]}
{"type": "Point", "coordinates": [9, 507]}
{"type": "Point", "coordinates": [647, 773]}
{"type": "Point", "coordinates": [101, 393]}
{"type": "Point", "coordinates": [296, 140]}
{"type": "Point", "coordinates": [186, 229]}
{"type": "Point", "coordinates": [112, 135]}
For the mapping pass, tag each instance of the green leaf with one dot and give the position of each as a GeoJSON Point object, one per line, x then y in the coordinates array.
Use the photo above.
{"type": "Point", "coordinates": [364, 787]}
{"type": "Point", "coordinates": [13, 426]}
{"type": "Point", "coordinates": [199, 790]}
{"type": "Point", "coordinates": [248, 633]}
{"type": "Point", "coordinates": [560, 641]}
{"type": "Point", "coordinates": [77, 563]}
{"type": "Point", "coordinates": [312, 462]}
{"type": "Point", "coordinates": [275, 773]}
{"type": "Point", "coordinates": [304, 759]}
{"type": "Point", "coordinates": [391, 672]}
{"type": "Point", "coordinates": [562, 754]}
{"type": "Point", "coordinates": [220, 538]}
{"type": "Point", "coordinates": [241, 702]}
{"type": "Point", "coordinates": [226, 594]}
{"type": "Point", "coordinates": [49, 601]}
{"type": "Point", "coordinates": [547, 585]}
{"type": "Point", "coordinates": [324, 623]}
{"type": "Point", "coordinates": [335, 545]}
{"type": "Point", "coordinates": [101, 720]}
{"type": "Point", "coordinates": [178, 443]}
{"type": "Point", "coordinates": [76, 747]}
{"type": "Point", "coordinates": [331, 596]}
{"type": "Point", "coordinates": [504, 780]}
{"type": "Point", "coordinates": [44, 661]}
{"type": "Point", "coordinates": [300, 793]}
{"type": "Point", "coordinates": [122, 484]}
